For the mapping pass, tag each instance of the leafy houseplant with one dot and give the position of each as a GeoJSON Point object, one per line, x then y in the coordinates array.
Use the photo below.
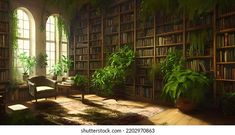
{"type": "Point", "coordinates": [66, 63]}
{"type": "Point", "coordinates": [28, 63]}
{"type": "Point", "coordinates": [114, 73]}
{"type": "Point", "coordinates": [80, 81]}
{"type": "Point", "coordinates": [227, 103]}
{"type": "Point", "coordinates": [183, 86]}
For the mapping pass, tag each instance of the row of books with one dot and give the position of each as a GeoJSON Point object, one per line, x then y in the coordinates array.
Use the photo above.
{"type": "Point", "coordinates": [81, 51]}
{"type": "Point", "coordinates": [95, 43]}
{"type": "Point", "coordinates": [208, 51]}
{"type": "Point", "coordinates": [4, 75]}
{"type": "Point", "coordinates": [4, 26]}
{"type": "Point", "coordinates": [114, 10]}
{"type": "Point", "coordinates": [199, 65]}
{"type": "Point", "coordinates": [126, 18]}
{"type": "Point", "coordinates": [169, 28]}
{"type": "Point", "coordinates": [95, 65]}
{"type": "Point", "coordinates": [95, 56]}
{"type": "Point", "coordinates": [145, 52]}
{"type": "Point", "coordinates": [94, 14]}
{"type": "Point", "coordinates": [4, 17]}
{"type": "Point", "coordinates": [81, 45]}
{"type": "Point", "coordinates": [112, 21]}
{"type": "Point", "coordinates": [81, 57]}
{"type": "Point", "coordinates": [144, 33]}
{"type": "Point", "coordinates": [143, 80]}
{"type": "Point", "coordinates": [127, 26]}
{"type": "Point", "coordinates": [226, 55]}
{"type": "Point", "coordinates": [226, 23]}
{"type": "Point", "coordinates": [163, 40]}
{"type": "Point", "coordinates": [83, 31]}
{"type": "Point", "coordinates": [111, 29]}
{"type": "Point", "coordinates": [144, 62]}
{"type": "Point", "coordinates": [95, 29]}
{"type": "Point", "coordinates": [127, 38]}
{"type": "Point", "coordinates": [145, 42]}
{"type": "Point", "coordinates": [110, 49]}
{"type": "Point", "coordinates": [165, 50]}
{"type": "Point", "coordinates": [82, 38]}
{"type": "Point", "coordinates": [3, 40]}
{"type": "Point", "coordinates": [81, 65]}
{"type": "Point", "coordinates": [127, 6]}
{"type": "Point", "coordinates": [83, 24]}
{"type": "Point", "coordinates": [145, 92]}
{"type": "Point", "coordinates": [95, 36]}
{"type": "Point", "coordinates": [225, 72]}
{"type": "Point", "coordinates": [227, 39]}
{"type": "Point", "coordinates": [95, 50]}
{"type": "Point", "coordinates": [112, 40]}
{"type": "Point", "coordinates": [4, 53]}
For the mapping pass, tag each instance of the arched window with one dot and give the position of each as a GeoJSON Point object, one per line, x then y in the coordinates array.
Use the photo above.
{"type": "Point", "coordinates": [25, 37]}
{"type": "Point", "coordinates": [56, 45]}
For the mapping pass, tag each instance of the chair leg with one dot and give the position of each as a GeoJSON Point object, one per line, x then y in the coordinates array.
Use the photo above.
{"type": "Point", "coordinates": [55, 97]}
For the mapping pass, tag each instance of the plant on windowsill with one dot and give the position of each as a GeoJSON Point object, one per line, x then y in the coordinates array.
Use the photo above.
{"type": "Point", "coordinates": [28, 63]}
{"type": "Point", "coordinates": [186, 88]}
{"type": "Point", "coordinates": [66, 63]}
{"type": "Point", "coordinates": [80, 82]}
{"type": "Point", "coordinates": [56, 70]}
{"type": "Point", "coordinates": [42, 60]}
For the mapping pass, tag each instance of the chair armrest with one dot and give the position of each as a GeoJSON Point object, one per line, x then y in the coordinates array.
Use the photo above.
{"type": "Point", "coordinates": [32, 88]}
{"type": "Point", "coordinates": [51, 83]}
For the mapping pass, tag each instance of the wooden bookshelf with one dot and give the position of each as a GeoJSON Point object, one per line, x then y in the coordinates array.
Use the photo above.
{"type": "Point", "coordinates": [200, 59]}
{"type": "Point", "coordinates": [98, 35]}
{"type": "Point", "coordinates": [225, 50]}
{"type": "Point", "coordinates": [4, 42]}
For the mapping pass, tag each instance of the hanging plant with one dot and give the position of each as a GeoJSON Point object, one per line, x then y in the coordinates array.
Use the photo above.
{"type": "Point", "coordinates": [197, 42]}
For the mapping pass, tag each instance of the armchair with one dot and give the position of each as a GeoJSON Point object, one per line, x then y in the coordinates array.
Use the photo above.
{"type": "Point", "coordinates": [42, 87]}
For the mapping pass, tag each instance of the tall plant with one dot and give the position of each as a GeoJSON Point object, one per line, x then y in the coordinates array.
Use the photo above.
{"type": "Point", "coordinates": [27, 62]}
{"type": "Point", "coordinates": [114, 72]}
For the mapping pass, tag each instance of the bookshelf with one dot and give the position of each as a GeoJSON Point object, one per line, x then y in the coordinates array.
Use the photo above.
{"type": "Point", "coordinates": [111, 31]}
{"type": "Point", "coordinates": [4, 42]}
{"type": "Point", "coordinates": [98, 35]}
{"type": "Point", "coordinates": [81, 45]}
{"type": "Point", "coordinates": [199, 43]}
{"type": "Point", "coordinates": [95, 41]}
{"type": "Point", "coordinates": [225, 50]}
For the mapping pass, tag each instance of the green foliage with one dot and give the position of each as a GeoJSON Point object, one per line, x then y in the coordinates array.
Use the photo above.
{"type": "Point", "coordinates": [14, 32]}
{"type": "Point", "coordinates": [41, 60]}
{"type": "Point", "coordinates": [228, 104]}
{"type": "Point", "coordinates": [27, 62]}
{"type": "Point", "coordinates": [80, 80]}
{"type": "Point", "coordinates": [154, 71]}
{"type": "Point", "coordinates": [114, 72]}
{"type": "Point", "coordinates": [192, 8]}
{"type": "Point", "coordinates": [62, 28]}
{"type": "Point", "coordinates": [198, 40]}
{"type": "Point", "coordinates": [173, 59]}
{"type": "Point", "coordinates": [62, 66]}
{"type": "Point", "coordinates": [66, 63]}
{"type": "Point", "coordinates": [185, 83]}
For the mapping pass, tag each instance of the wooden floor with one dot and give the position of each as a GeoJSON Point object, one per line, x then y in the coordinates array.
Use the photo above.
{"type": "Point", "coordinates": [169, 116]}
{"type": "Point", "coordinates": [173, 116]}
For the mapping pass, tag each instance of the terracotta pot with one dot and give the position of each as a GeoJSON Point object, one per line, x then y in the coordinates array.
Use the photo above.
{"type": "Point", "coordinates": [185, 105]}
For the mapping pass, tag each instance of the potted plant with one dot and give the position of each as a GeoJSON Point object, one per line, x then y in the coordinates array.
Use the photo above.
{"type": "Point", "coordinates": [186, 88]}
{"type": "Point", "coordinates": [57, 71]}
{"type": "Point", "coordinates": [42, 60]}
{"type": "Point", "coordinates": [66, 63]}
{"type": "Point", "coordinates": [110, 78]}
{"type": "Point", "coordinates": [28, 63]}
{"type": "Point", "coordinates": [80, 82]}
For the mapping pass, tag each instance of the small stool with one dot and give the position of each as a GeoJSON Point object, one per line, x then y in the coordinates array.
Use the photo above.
{"type": "Point", "coordinates": [17, 108]}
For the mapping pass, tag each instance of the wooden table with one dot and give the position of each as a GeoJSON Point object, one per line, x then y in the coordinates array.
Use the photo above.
{"type": "Point", "coordinates": [68, 87]}
{"type": "Point", "coordinates": [64, 86]}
